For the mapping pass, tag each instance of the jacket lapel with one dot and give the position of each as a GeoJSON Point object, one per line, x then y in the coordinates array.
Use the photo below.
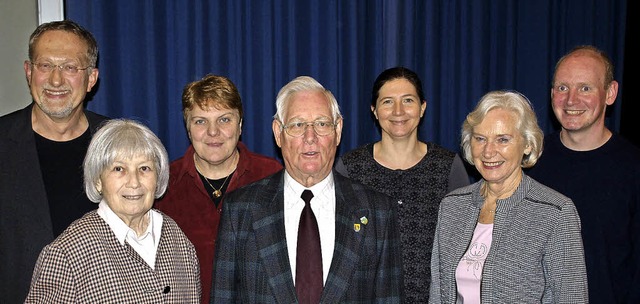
{"type": "Point", "coordinates": [350, 232]}
{"type": "Point", "coordinates": [271, 241]}
{"type": "Point", "coordinates": [27, 163]}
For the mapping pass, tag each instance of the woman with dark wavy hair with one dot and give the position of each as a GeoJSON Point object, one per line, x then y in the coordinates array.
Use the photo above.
{"type": "Point", "coordinates": [417, 174]}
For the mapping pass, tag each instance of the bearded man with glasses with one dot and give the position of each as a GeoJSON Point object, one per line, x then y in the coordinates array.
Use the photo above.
{"type": "Point", "coordinates": [42, 148]}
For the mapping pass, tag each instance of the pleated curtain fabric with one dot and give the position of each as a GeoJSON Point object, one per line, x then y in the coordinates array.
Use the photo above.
{"type": "Point", "coordinates": [308, 255]}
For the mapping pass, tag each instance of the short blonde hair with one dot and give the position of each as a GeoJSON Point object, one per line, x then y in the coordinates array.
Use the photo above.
{"type": "Point", "coordinates": [527, 123]}
{"type": "Point", "coordinates": [210, 91]}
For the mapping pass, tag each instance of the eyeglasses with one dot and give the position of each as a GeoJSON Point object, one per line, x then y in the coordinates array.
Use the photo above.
{"type": "Point", "coordinates": [65, 68]}
{"type": "Point", "coordinates": [321, 127]}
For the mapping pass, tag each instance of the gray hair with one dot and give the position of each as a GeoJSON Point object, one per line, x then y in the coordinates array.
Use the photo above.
{"type": "Point", "coordinates": [527, 123]}
{"type": "Point", "coordinates": [123, 138]}
{"type": "Point", "coordinates": [69, 27]}
{"type": "Point", "coordinates": [303, 84]}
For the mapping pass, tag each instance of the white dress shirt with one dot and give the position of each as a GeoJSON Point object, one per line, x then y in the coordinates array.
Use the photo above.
{"type": "Point", "coordinates": [323, 205]}
{"type": "Point", "coordinates": [145, 245]}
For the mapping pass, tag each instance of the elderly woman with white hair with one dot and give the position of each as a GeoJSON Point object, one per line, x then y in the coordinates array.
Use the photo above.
{"type": "Point", "coordinates": [125, 251]}
{"type": "Point", "coordinates": [506, 238]}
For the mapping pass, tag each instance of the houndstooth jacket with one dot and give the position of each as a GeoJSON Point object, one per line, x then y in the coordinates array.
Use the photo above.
{"type": "Point", "coordinates": [87, 264]}
{"type": "Point", "coordinates": [536, 255]}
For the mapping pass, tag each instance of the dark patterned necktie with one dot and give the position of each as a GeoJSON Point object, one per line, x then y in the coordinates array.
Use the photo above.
{"type": "Point", "coordinates": [309, 255]}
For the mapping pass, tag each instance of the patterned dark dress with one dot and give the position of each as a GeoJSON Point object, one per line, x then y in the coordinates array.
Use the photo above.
{"type": "Point", "coordinates": [418, 191]}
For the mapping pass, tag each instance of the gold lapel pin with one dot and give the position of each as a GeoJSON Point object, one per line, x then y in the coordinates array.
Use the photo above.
{"type": "Point", "coordinates": [356, 227]}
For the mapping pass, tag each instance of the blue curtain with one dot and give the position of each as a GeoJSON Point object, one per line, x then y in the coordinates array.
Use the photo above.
{"type": "Point", "coordinates": [461, 49]}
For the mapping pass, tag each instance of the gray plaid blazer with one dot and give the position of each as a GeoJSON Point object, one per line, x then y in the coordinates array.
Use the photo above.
{"type": "Point", "coordinates": [87, 264]}
{"type": "Point", "coordinates": [252, 264]}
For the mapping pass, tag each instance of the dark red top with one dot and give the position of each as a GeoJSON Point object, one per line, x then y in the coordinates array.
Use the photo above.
{"type": "Point", "coordinates": [188, 203]}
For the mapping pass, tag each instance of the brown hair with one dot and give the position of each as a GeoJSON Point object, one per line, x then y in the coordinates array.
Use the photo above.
{"type": "Point", "coordinates": [71, 27]}
{"type": "Point", "coordinates": [211, 91]}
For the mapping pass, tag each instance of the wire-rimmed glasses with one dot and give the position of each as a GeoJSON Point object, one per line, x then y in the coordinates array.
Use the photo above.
{"type": "Point", "coordinates": [65, 68]}
{"type": "Point", "coordinates": [321, 127]}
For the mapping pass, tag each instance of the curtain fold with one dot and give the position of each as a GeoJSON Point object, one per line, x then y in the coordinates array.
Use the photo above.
{"type": "Point", "coordinates": [461, 49]}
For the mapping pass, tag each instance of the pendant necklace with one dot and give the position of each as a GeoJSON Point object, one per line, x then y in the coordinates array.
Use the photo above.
{"type": "Point", "coordinates": [217, 192]}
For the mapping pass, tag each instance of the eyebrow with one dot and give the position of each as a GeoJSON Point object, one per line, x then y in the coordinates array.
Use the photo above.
{"type": "Point", "coordinates": [221, 115]}
{"type": "Point", "coordinates": [299, 119]}
{"type": "Point", "coordinates": [497, 135]}
{"type": "Point", "coordinates": [401, 96]}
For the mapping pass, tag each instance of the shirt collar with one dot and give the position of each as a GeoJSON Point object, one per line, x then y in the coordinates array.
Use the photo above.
{"type": "Point", "coordinates": [121, 230]}
{"type": "Point", "coordinates": [323, 188]}
{"type": "Point", "coordinates": [298, 188]}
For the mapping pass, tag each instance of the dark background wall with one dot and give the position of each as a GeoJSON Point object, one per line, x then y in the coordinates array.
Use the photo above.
{"type": "Point", "coordinates": [461, 49]}
{"type": "Point", "coordinates": [629, 121]}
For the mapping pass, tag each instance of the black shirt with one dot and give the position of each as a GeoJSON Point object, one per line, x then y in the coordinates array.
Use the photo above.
{"type": "Point", "coordinates": [61, 166]}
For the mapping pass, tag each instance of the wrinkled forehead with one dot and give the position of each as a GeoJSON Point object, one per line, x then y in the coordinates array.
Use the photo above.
{"type": "Point", "coordinates": [60, 43]}
{"type": "Point", "coordinates": [309, 105]}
